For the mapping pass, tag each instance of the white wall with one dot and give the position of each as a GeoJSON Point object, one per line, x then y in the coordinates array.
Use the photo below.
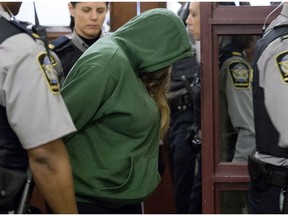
{"type": "Point", "coordinates": [50, 13]}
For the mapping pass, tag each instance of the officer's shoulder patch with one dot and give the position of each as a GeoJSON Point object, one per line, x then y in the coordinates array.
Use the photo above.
{"type": "Point", "coordinates": [49, 72]}
{"type": "Point", "coordinates": [59, 42]}
{"type": "Point", "coordinates": [240, 73]}
{"type": "Point", "coordinates": [282, 62]}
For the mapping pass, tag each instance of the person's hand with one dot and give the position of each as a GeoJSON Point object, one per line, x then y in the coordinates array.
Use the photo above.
{"type": "Point", "coordinates": [194, 138]}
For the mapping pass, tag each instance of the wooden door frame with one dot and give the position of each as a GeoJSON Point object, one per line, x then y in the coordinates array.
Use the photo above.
{"type": "Point", "coordinates": [121, 12]}
{"type": "Point", "coordinates": [216, 21]}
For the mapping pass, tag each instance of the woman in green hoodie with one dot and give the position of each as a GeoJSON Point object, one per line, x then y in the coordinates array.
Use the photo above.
{"type": "Point", "coordinates": [116, 96]}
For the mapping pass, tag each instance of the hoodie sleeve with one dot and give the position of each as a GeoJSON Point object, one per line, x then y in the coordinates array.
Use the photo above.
{"type": "Point", "coordinates": [85, 91]}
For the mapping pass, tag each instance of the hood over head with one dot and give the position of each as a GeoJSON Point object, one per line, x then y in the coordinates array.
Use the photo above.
{"type": "Point", "coordinates": [153, 40]}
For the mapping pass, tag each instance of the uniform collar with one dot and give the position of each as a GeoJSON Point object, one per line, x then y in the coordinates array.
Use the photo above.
{"type": "Point", "coordinates": [284, 11]}
{"type": "Point", "coordinates": [282, 19]}
{"type": "Point", "coordinates": [79, 43]}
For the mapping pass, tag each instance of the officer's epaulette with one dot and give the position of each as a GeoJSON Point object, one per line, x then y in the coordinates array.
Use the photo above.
{"type": "Point", "coordinates": [10, 28]}
{"type": "Point", "coordinates": [59, 43]}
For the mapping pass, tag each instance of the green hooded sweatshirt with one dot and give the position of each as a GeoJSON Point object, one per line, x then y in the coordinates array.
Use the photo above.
{"type": "Point", "coordinates": [114, 153]}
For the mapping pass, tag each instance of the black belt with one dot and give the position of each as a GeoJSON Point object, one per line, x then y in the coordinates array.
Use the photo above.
{"type": "Point", "coordinates": [181, 102]}
{"type": "Point", "coordinates": [271, 174]}
{"type": "Point", "coordinates": [277, 176]}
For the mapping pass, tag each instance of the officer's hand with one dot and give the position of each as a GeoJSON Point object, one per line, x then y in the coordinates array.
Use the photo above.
{"type": "Point", "coordinates": [193, 137]}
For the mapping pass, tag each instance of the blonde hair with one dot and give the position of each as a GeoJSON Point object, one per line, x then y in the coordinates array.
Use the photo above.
{"type": "Point", "coordinates": [157, 84]}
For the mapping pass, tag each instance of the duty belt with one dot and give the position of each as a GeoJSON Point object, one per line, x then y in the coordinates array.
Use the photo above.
{"type": "Point", "coordinates": [277, 178]}
{"type": "Point", "coordinates": [274, 175]}
{"type": "Point", "coordinates": [181, 102]}
{"type": "Point", "coordinates": [270, 174]}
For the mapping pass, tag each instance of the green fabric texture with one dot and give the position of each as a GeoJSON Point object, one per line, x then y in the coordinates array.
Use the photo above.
{"type": "Point", "coordinates": [114, 154]}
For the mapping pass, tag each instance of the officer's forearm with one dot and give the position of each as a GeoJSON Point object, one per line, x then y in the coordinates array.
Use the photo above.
{"type": "Point", "coordinates": [52, 174]}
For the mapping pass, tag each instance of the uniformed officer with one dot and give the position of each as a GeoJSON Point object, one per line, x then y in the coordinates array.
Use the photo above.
{"type": "Point", "coordinates": [236, 116]}
{"type": "Point", "coordinates": [193, 24]}
{"type": "Point", "coordinates": [237, 119]}
{"type": "Point", "coordinates": [268, 167]}
{"type": "Point", "coordinates": [33, 116]}
{"type": "Point", "coordinates": [182, 159]}
{"type": "Point", "coordinates": [87, 19]}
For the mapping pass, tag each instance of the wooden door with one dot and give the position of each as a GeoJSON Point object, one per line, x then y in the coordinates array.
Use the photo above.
{"type": "Point", "coordinates": [221, 179]}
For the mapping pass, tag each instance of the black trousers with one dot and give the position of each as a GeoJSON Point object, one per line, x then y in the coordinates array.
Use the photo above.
{"type": "Point", "coordinates": [186, 174]}
{"type": "Point", "coordinates": [92, 208]}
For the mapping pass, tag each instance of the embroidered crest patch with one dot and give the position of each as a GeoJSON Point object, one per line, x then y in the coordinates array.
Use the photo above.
{"type": "Point", "coordinates": [49, 72]}
{"type": "Point", "coordinates": [240, 74]}
{"type": "Point", "coordinates": [282, 62]}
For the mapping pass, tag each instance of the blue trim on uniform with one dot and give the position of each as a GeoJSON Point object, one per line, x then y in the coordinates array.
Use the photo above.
{"type": "Point", "coordinates": [59, 42]}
